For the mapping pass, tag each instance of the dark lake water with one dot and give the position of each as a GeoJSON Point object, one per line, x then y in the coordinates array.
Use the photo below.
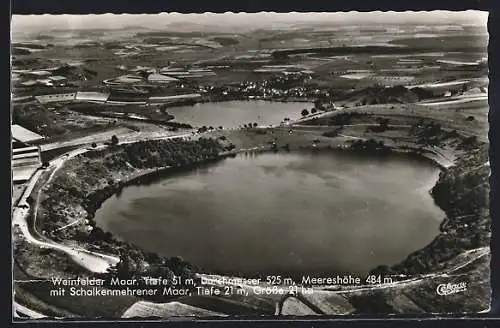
{"type": "Point", "coordinates": [286, 213]}
{"type": "Point", "coordinates": [231, 114]}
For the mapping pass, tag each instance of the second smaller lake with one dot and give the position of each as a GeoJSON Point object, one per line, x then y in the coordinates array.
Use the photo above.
{"type": "Point", "coordinates": [231, 114]}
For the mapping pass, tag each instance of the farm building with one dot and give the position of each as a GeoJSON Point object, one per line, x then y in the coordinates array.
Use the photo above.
{"type": "Point", "coordinates": [25, 162]}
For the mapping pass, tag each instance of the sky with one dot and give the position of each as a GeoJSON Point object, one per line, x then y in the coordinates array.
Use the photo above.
{"type": "Point", "coordinates": [27, 23]}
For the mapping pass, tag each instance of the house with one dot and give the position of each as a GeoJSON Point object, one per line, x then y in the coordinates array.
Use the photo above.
{"type": "Point", "coordinates": [26, 159]}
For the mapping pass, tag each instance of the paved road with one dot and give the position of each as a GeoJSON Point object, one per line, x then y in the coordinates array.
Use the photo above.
{"type": "Point", "coordinates": [124, 135]}
{"type": "Point", "coordinates": [92, 261]}
{"type": "Point", "coordinates": [310, 303]}
{"type": "Point", "coordinates": [97, 262]}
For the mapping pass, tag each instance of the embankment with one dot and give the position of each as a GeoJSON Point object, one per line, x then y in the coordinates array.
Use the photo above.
{"type": "Point", "coordinates": [85, 182]}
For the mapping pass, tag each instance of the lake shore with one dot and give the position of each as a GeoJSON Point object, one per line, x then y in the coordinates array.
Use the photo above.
{"type": "Point", "coordinates": [100, 191]}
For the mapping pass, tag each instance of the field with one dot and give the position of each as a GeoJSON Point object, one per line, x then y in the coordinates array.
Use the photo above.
{"type": "Point", "coordinates": [332, 63]}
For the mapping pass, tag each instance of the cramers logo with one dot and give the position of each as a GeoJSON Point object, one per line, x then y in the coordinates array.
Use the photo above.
{"type": "Point", "coordinates": [449, 289]}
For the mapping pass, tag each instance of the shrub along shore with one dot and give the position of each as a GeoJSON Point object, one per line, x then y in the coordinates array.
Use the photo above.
{"type": "Point", "coordinates": [88, 180]}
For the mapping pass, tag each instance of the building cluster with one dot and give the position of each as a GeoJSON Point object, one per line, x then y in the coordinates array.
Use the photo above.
{"type": "Point", "coordinates": [277, 86]}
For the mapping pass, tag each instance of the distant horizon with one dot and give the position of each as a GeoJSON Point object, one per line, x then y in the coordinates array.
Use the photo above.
{"type": "Point", "coordinates": [47, 23]}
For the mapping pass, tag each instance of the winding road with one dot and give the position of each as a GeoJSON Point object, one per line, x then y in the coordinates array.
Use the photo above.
{"type": "Point", "coordinates": [98, 262]}
{"type": "Point", "coordinates": [90, 260]}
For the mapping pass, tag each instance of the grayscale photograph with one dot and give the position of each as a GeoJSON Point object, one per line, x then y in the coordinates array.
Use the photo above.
{"type": "Point", "coordinates": [249, 165]}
